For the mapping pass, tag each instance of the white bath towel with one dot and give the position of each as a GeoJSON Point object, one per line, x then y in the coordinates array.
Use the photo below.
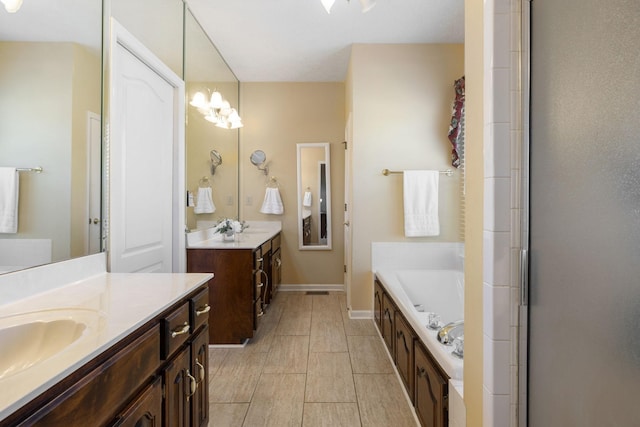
{"type": "Point", "coordinates": [272, 203]}
{"type": "Point", "coordinates": [204, 203]}
{"type": "Point", "coordinates": [421, 203]}
{"type": "Point", "coordinates": [9, 185]}
{"type": "Point", "coordinates": [306, 200]}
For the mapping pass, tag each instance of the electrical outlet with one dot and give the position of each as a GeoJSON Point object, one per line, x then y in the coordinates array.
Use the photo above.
{"type": "Point", "coordinates": [229, 200]}
{"type": "Point", "coordinates": [249, 201]}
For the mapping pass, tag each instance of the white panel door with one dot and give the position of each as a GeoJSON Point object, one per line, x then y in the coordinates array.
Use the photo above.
{"type": "Point", "coordinates": [146, 109]}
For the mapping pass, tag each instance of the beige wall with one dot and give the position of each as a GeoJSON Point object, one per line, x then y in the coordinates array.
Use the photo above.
{"type": "Point", "coordinates": [42, 120]}
{"type": "Point", "coordinates": [473, 309]}
{"type": "Point", "coordinates": [401, 98]}
{"type": "Point", "coordinates": [277, 116]}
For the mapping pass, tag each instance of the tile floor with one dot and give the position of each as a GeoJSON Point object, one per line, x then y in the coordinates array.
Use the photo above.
{"type": "Point", "coordinates": [308, 365]}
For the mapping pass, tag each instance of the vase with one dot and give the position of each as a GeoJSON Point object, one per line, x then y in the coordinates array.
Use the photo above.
{"type": "Point", "coordinates": [229, 236]}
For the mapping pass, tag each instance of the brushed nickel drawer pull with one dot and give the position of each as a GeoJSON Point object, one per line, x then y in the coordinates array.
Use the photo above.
{"type": "Point", "coordinates": [201, 371]}
{"type": "Point", "coordinates": [261, 313]}
{"type": "Point", "coordinates": [192, 384]}
{"type": "Point", "coordinates": [203, 310]}
{"type": "Point", "coordinates": [181, 330]}
{"type": "Point", "coordinates": [421, 372]}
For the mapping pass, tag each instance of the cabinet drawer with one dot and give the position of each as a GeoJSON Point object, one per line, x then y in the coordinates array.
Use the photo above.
{"type": "Point", "coordinates": [275, 242]}
{"type": "Point", "coordinates": [96, 398]}
{"type": "Point", "coordinates": [200, 308]}
{"type": "Point", "coordinates": [265, 247]}
{"type": "Point", "coordinates": [175, 330]}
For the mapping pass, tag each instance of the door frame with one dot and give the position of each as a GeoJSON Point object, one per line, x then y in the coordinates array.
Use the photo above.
{"type": "Point", "coordinates": [121, 36]}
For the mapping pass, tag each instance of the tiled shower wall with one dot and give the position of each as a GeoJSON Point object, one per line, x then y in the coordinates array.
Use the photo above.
{"type": "Point", "coordinates": [502, 210]}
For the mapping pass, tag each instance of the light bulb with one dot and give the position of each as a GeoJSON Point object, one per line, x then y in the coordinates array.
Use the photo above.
{"type": "Point", "coordinates": [12, 6]}
{"type": "Point", "coordinates": [327, 4]}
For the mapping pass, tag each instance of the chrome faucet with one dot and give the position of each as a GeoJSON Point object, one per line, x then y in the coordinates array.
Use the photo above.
{"type": "Point", "coordinates": [450, 331]}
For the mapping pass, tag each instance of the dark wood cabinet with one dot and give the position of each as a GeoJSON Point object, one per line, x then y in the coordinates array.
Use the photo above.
{"type": "Point", "coordinates": [388, 322]}
{"type": "Point", "coordinates": [377, 303]}
{"type": "Point", "coordinates": [242, 287]}
{"type": "Point", "coordinates": [431, 390]}
{"type": "Point", "coordinates": [145, 410]}
{"type": "Point", "coordinates": [425, 381]}
{"type": "Point", "coordinates": [231, 292]}
{"type": "Point", "coordinates": [179, 386]}
{"type": "Point", "coordinates": [404, 357]}
{"type": "Point", "coordinates": [123, 386]}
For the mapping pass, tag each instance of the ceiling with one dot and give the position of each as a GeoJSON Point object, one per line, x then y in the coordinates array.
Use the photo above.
{"type": "Point", "coordinates": [268, 40]}
{"type": "Point", "coordinates": [297, 41]}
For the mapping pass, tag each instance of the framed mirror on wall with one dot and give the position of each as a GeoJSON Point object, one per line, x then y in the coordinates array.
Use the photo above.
{"type": "Point", "coordinates": [314, 196]}
{"type": "Point", "coordinates": [50, 104]}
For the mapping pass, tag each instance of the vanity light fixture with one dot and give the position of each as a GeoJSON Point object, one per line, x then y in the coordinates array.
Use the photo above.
{"type": "Point", "coordinates": [12, 6]}
{"type": "Point", "coordinates": [216, 110]}
{"type": "Point", "coordinates": [366, 5]}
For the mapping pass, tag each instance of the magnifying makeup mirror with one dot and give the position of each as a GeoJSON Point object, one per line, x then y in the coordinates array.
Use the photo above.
{"type": "Point", "coordinates": [258, 158]}
{"type": "Point", "coordinates": [216, 160]}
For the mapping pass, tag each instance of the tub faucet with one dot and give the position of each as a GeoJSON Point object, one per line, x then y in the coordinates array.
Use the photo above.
{"type": "Point", "coordinates": [450, 331]}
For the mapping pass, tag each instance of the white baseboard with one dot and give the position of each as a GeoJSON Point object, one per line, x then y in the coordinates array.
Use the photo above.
{"type": "Point", "coordinates": [360, 314]}
{"type": "Point", "coordinates": [304, 288]}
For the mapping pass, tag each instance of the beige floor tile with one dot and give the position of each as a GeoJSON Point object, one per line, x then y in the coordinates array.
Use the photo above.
{"type": "Point", "coordinates": [277, 402]}
{"type": "Point", "coordinates": [237, 377]}
{"type": "Point", "coordinates": [216, 358]}
{"type": "Point", "coordinates": [329, 378]}
{"type": "Point", "coordinates": [331, 415]}
{"type": "Point", "coordinates": [289, 354]}
{"type": "Point", "coordinates": [359, 326]}
{"type": "Point", "coordinates": [381, 401]}
{"type": "Point", "coordinates": [368, 355]}
{"type": "Point", "coordinates": [294, 323]}
{"type": "Point", "coordinates": [227, 414]}
{"type": "Point", "coordinates": [336, 343]}
{"type": "Point", "coordinates": [297, 301]}
{"type": "Point", "coordinates": [329, 302]}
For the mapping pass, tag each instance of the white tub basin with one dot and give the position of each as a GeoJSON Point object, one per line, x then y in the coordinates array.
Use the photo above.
{"type": "Point", "coordinates": [27, 344]}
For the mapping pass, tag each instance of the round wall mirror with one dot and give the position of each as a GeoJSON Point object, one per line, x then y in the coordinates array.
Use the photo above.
{"type": "Point", "coordinates": [258, 158]}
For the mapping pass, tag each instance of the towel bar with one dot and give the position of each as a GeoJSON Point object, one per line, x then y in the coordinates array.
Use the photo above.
{"type": "Point", "coordinates": [386, 172]}
{"type": "Point", "coordinates": [37, 169]}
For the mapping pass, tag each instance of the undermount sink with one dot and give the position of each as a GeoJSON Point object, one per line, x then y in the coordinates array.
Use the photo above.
{"type": "Point", "coordinates": [27, 344]}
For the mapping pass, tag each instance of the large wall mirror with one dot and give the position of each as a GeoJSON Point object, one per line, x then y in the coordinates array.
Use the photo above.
{"type": "Point", "coordinates": [212, 151]}
{"type": "Point", "coordinates": [50, 109]}
{"type": "Point", "coordinates": [314, 196]}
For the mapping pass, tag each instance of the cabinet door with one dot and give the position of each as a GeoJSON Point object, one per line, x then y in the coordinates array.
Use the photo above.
{"type": "Point", "coordinates": [404, 352]}
{"type": "Point", "coordinates": [145, 410]}
{"type": "Point", "coordinates": [377, 304]}
{"type": "Point", "coordinates": [179, 387]}
{"type": "Point", "coordinates": [388, 329]}
{"type": "Point", "coordinates": [430, 391]}
{"type": "Point", "coordinates": [200, 367]}
{"type": "Point", "coordinates": [276, 272]}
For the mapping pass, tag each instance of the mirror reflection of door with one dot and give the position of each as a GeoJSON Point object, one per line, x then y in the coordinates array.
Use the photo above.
{"type": "Point", "coordinates": [314, 196]}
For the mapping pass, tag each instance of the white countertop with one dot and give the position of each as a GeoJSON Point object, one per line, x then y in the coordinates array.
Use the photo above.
{"type": "Point", "coordinates": [111, 305]}
{"type": "Point", "coordinates": [451, 364]}
{"type": "Point", "coordinates": [255, 235]}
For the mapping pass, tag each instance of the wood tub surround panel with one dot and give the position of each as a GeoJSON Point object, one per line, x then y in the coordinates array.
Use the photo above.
{"type": "Point", "coordinates": [425, 381]}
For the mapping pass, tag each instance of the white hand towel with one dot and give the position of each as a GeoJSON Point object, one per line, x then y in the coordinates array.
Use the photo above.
{"type": "Point", "coordinates": [306, 200]}
{"type": "Point", "coordinates": [272, 203]}
{"type": "Point", "coordinates": [204, 204]}
{"type": "Point", "coordinates": [421, 203]}
{"type": "Point", "coordinates": [9, 185]}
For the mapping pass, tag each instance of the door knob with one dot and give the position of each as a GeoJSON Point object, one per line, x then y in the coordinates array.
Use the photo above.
{"type": "Point", "coordinates": [346, 223]}
{"type": "Point", "coordinates": [95, 220]}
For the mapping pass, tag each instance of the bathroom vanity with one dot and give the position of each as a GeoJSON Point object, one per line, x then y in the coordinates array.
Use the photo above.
{"type": "Point", "coordinates": [132, 351]}
{"type": "Point", "coordinates": [247, 275]}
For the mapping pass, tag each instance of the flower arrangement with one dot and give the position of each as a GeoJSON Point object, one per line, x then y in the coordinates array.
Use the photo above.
{"type": "Point", "coordinates": [230, 226]}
